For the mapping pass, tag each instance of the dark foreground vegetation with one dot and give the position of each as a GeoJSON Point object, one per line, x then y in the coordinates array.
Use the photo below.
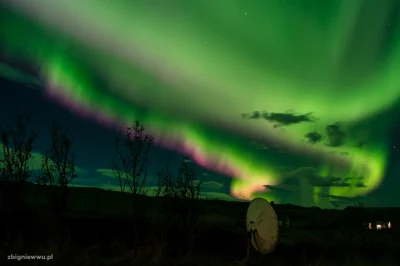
{"type": "Point", "coordinates": [42, 215]}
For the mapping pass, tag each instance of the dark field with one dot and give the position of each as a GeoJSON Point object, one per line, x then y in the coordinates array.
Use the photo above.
{"type": "Point", "coordinates": [96, 230]}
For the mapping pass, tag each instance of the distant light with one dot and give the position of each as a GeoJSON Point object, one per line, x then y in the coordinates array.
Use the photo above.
{"type": "Point", "coordinates": [378, 226]}
{"type": "Point", "coordinates": [389, 225]}
{"type": "Point", "coordinates": [370, 226]}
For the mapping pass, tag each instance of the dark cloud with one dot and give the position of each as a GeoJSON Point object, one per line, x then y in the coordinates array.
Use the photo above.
{"type": "Point", "coordinates": [354, 178]}
{"type": "Point", "coordinates": [281, 119]}
{"type": "Point", "coordinates": [327, 181]}
{"type": "Point", "coordinates": [336, 136]}
{"type": "Point", "coordinates": [280, 188]}
{"type": "Point", "coordinates": [315, 180]}
{"type": "Point", "coordinates": [255, 115]}
{"type": "Point", "coordinates": [285, 119]}
{"type": "Point", "coordinates": [342, 201]}
{"type": "Point", "coordinates": [313, 137]}
{"type": "Point", "coordinates": [320, 181]}
{"type": "Point", "coordinates": [360, 184]}
{"type": "Point", "coordinates": [334, 181]}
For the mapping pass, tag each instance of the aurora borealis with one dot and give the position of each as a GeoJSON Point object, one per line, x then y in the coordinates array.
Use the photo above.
{"type": "Point", "coordinates": [284, 94]}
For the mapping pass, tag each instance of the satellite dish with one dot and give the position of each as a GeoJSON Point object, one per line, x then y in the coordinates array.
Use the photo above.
{"type": "Point", "coordinates": [262, 226]}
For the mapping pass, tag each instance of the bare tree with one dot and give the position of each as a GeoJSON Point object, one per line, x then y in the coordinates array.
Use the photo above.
{"type": "Point", "coordinates": [15, 170]}
{"type": "Point", "coordinates": [131, 170]}
{"type": "Point", "coordinates": [119, 173]}
{"type": "Point", "coordinates": [188, 186]}
{"type": "Point", "coordinates": [58, 167]}
{"type": "Point", "coordinates": [179, 210]}
{"type": "Point", "coordinates": [166, 186]}
{"type": "Point", "coordinates": [185, 185]}
{"type": "Point", "coordinates": [134, 159]}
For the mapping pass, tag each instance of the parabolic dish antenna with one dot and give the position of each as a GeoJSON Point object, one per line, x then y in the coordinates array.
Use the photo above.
{"type": "Point", "coordinates": [262, 226]}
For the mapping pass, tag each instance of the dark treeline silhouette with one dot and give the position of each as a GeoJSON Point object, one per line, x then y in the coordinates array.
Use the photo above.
{"type": "Point", "coordinates": [172, 224]}
{"type": "Point", "coordinates": [175, 226]}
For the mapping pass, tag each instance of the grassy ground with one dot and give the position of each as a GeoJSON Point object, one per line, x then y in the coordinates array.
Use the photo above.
{"type": "Point", "coordinates": [105, 242]}
{"type": "Point", "coordinates": [99, 234]}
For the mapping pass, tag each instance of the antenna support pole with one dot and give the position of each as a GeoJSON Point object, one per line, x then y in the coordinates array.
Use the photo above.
{"type": "Point", "coordinates": [248, 246]}
{"type": "Point", "coordinates": [251, 233]}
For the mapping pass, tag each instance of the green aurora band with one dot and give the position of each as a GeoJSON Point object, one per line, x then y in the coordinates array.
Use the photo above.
{"type": "Point", "coordinates": [188, 69]}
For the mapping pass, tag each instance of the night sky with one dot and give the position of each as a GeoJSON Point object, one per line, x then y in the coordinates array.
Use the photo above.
{"type": "Point", "coordinates": [294, 101]}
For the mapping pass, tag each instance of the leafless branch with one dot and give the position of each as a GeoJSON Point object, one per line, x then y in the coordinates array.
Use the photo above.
{"type": "Point", "coordinates": [58, 163]}
{"type": "Point", "coordinates": [15, 170]}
